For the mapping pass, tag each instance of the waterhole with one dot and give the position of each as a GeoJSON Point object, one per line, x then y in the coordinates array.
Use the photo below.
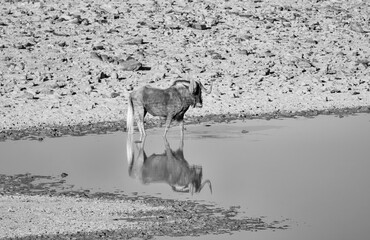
{"type": "Point", "coordinates": [312, 173]}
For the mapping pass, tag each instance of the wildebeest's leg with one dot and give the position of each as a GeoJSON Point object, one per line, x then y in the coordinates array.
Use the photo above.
{"type": "Point", "coordinates": [166, 144]}
{"type": "Point", "coordinates": [168, 123]}
{"type": "Point", "coordinates": [169, 152]}
{"type": "Point", "coordinates": [182, 135]}
{"type": "Point", "coordinates": [182, 131]}
{"type": "Point", "coordinates": [142, 138]}
{"type": "Point", "coordinates": [142, 130]}
{"type": "Point", "coordinates": [137, 160]}
{"type": "Point", "coordinates": [140, 113]}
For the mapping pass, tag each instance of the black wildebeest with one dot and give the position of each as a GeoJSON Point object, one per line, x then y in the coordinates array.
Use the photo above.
{"type": "Point", "coordinates": [169, 167]}
{"type": "Point", "coordinates": [171, 103]}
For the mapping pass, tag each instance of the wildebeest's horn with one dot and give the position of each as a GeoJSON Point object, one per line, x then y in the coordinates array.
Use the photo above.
{"type": "Point", "coordinates": [204, 183]}
{"type": "Point", "coordinates": [192, 86]}
{"type": "Point", "coordinates": [205, 90]}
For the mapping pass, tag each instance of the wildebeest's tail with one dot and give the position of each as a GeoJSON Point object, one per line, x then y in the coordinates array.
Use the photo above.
{"type": "Point", "coordinates": [130, 152]}
{"type": "Point", "coordinates": [130, 116]}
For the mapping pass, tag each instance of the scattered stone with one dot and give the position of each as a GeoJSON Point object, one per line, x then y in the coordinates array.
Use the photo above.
{"type": "Point", "coordinates": [63, 175]}
{"type": "Point", "coordinates": [130, 65]}
{"type": "Point", "coordinates": [28, 95]}
{"type": "Point", "coordinates": [61, 84]}
{"type": "Point", "coordinates": [45, 91]}
{"type": "Point", "coordinates": [134, 41]}
{"type": "Point", "coordinates": [199, 26]}
{"type": "Point", "coordinates": [355, 26]}
{"type": "Point", "coordinates": [114, 95]}
{"type": "Point", "coordinates": [98, 46]}
{"type": "Point", "coordinates": [102, 75]}
{"type": "Point", "coordinates": [88, 89]}
{"type": "Point", "coordinates": [96, 55]}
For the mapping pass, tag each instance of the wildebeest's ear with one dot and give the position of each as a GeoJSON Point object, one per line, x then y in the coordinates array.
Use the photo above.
{"type": "Point", "coordinates": [192, 86]}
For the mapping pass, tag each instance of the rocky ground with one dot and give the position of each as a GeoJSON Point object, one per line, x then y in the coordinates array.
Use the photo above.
{"type": "Point", "coordinates": [70, 62]}
{"type": "Point", "coordinates": [67, 67]}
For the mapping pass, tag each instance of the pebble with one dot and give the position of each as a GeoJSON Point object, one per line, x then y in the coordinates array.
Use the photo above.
{"type": "Point", "coordinates": [134, 41]}
{"type": "Point", "coordinates": [199, 26]}
{"type": "Point", "coordinates": [130, 65]}
{"type": "Point", "coordinates": [63, 175]}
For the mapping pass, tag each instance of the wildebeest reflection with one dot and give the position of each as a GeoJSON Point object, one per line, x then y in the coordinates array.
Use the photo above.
{"type": "Point", "coordinates": [169, 167]}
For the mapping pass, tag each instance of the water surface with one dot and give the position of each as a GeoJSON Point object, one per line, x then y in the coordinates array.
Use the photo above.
{"type": "Point", "coordinates": [314, 172]}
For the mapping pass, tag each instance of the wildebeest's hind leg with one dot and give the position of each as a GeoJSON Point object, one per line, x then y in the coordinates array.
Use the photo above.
{"type": "Point", "coordinates": [140, 115]}
{"type": "Point", "coordinates": [135, 156]}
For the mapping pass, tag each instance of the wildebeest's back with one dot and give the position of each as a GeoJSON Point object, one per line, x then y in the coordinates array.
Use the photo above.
{"type": "Point", "coordinates": [161, 102]}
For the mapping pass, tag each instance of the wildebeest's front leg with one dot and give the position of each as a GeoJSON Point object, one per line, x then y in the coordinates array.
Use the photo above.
{"type": "Point", "coordinates": [182, 130]}
{"type": "Point", "coordinates": [168, 123]}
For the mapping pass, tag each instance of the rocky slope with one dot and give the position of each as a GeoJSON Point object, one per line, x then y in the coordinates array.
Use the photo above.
{"type": "Point", "coordinates": [74, 62]}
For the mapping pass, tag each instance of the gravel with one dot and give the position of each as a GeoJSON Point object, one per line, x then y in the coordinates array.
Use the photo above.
{"type": "Point", "coordinates": [42, 207]}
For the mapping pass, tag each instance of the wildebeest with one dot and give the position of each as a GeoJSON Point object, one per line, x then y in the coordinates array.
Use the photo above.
{"type": "Point", "coordinates": [169, 167]}
{"type": "Point", "coordinates": [171, 103]}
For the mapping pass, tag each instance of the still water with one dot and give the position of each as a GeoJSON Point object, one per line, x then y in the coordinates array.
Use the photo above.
{"type": "Point", "coordinates": [314, 172]}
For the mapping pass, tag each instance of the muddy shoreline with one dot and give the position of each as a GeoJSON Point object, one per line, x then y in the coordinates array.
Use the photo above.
{"type": "Point", "coordinates": [51, 131]}
{"type": "Point", "coordinates": [158, 217]}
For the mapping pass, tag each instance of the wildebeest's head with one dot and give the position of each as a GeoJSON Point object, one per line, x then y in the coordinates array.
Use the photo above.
{"type": "Point", "coordinates": [196, 180]}
{"type": "Point", "coordinates": [195, 88]}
